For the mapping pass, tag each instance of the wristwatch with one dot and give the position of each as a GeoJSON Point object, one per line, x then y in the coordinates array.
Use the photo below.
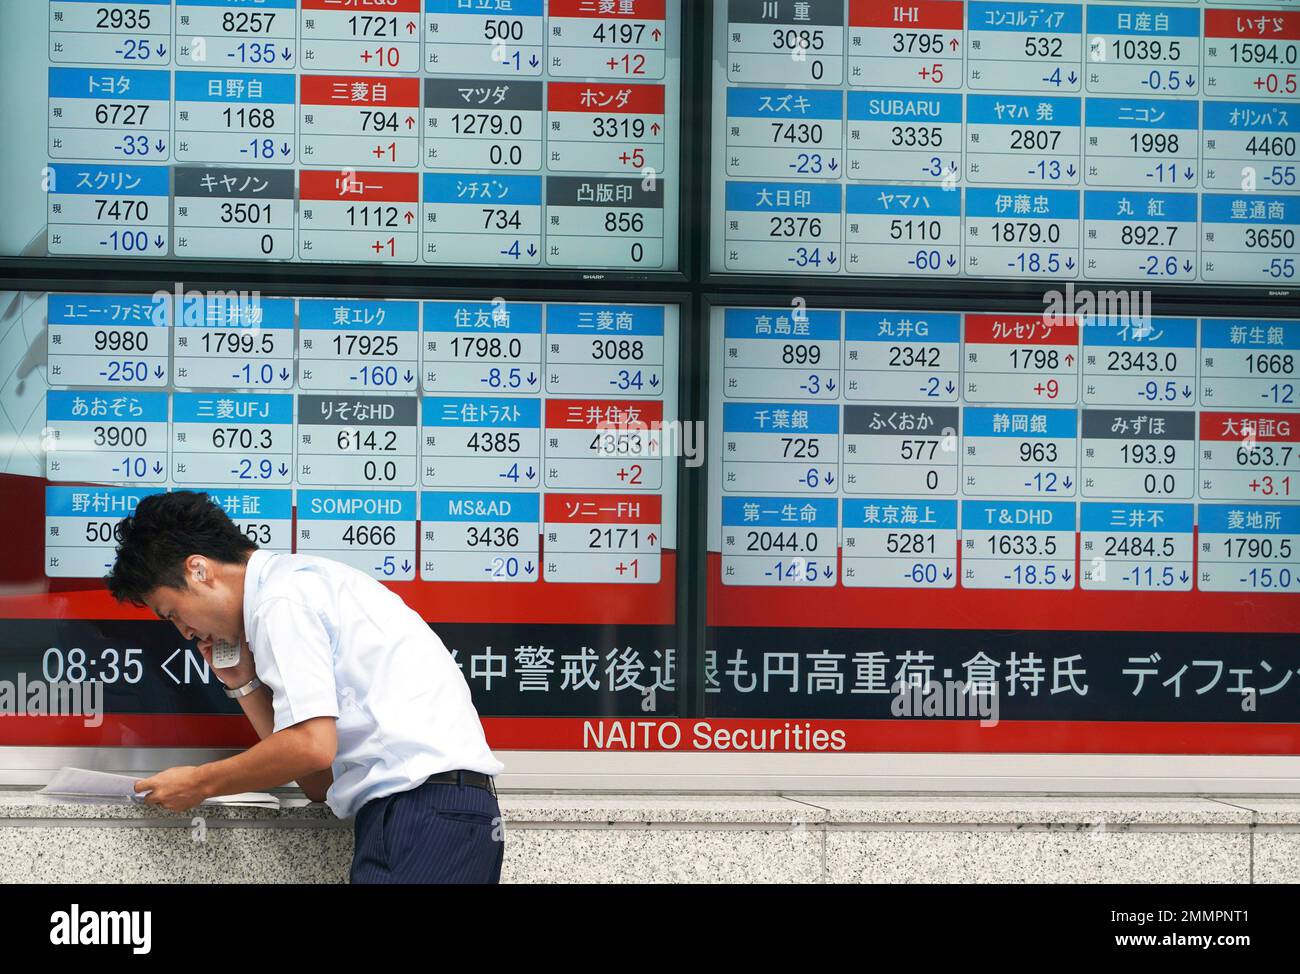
{"type": "Point", "coordinates": [245, 690]}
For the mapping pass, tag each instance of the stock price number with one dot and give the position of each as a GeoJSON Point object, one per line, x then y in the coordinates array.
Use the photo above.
{"type": "Point", "coordinates": [781, 541]}
{"type": "Point", "coordinates": [491, 536]}
{"type": "Point", "coordinates": [1124, 546]}
{"type": "Point", "coordinates": [370, 535]}
{"type": "Point", "coordinates": [238, 343]}
{"type": "Point", "coordinates": [483, 347]}
{"type": "Point", "coordinates": [494, 443]}
{"type": "Point", "coordinates": [257, 532]}
{"type": "Point", "coordinates": [241, 438]}
{"type": "Point", "coordinates": [365, 346]}
{"type": "Point", "coordinates": [376, 441]}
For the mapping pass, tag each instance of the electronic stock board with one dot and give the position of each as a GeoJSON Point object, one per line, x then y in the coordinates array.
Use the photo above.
{"type": "Point", "coordinates": [504, 465]}
{"type": "Point", "coordinates": [946, 140]}
{"type": "Point", "coordinates": [861, 305]}
{"type": "Point", "coordinates": [1093, 521]}
{"type": "Point", "coordinates": [525, 134]}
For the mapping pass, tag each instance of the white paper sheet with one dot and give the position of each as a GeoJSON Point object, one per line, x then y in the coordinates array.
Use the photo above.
{"type": "Point", "coordinates": [102, 786]}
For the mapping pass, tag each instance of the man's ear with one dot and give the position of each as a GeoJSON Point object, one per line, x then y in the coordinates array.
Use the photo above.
{"type": "Point", "coordinates": [198, 569]}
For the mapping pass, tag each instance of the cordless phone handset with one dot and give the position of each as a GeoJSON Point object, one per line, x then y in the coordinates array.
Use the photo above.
{"type": "Point", "coordinates": [224, 654]}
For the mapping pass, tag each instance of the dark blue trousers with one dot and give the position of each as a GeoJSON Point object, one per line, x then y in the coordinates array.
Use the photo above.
{"type": "Point", "coordinates": [434, 833]}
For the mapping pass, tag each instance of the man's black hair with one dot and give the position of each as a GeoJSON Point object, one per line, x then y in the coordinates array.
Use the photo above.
{"type": "Point", "coordinates": [165, 529]}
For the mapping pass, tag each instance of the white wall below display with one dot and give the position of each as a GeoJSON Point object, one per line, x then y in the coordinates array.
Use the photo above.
{"type": "Point", "coordinates": [604, 837]}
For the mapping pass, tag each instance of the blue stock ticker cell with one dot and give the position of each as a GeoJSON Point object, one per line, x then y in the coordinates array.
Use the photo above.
{"type": "Point", "coordinates": [1109, 433]}
{"type": "Point", "coordinates": [222, 342]}
{"type": "Point", "coordinates": [236, 423]}
{"type": "Point", "coordinates": [79, 522]}
{"type": "Point", "coordinates": [219, 439]}
{"type": "Point", "coordinates": [527, 134]}
{"type": "Point", "coordinates": [960, 137]}
{"type": "Point", "coordinates": [107, 340]}
{"type": "Point", "coordinates": [372, 530]}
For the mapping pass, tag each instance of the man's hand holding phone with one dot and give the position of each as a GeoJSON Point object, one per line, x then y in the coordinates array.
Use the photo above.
{"type": "Point", "coordinates": [232, 676]}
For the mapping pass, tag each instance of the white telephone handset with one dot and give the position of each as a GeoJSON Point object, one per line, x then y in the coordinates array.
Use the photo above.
{"type": "Point", "coordinates": [224, 654]}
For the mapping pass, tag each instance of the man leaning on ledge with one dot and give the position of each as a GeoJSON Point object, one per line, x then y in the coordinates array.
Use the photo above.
{"type": "Point", "coordinates": [352, 694]}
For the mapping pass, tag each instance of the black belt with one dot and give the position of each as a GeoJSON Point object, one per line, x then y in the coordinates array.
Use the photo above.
{"type": "Point", "coordinates": [476, 779]}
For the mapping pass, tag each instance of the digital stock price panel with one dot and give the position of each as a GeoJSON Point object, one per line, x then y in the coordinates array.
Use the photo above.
{"type": "Point", "coordinates": [497, 133]}
{"type": "Point", "coordinates": [944, 139]}
{"type": "Point", "coordinates": [1090, 523]}
{"type": "Point", "coordinates": [502, 466]}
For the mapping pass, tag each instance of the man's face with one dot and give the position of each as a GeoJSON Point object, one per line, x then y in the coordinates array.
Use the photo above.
{"type": "Point", "coordinates": [198, 611]}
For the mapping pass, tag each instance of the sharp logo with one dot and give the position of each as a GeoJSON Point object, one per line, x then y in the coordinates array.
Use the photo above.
{"type": "Point", "coordinates": [74, 927]}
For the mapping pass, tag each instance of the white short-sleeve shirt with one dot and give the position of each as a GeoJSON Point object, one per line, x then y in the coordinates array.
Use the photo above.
{"type": "Point", "coordinates": [330, 641]}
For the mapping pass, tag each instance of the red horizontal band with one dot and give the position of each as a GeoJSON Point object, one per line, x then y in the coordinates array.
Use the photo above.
{"type": "Point", "coordinates": [716, 735]}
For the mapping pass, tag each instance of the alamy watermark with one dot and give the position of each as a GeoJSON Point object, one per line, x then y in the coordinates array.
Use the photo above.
{"type": "Point", "coordinates": [77, 927]}
{"type": "Point", "coordinates": [197, 309]}
{"type": "Point", "coordinates": [627, 434]}
{"type": "Point", "coordinates": [950, 699]}
{"type": "Point", "coordinates": [53, 698]}
{"type": "Point", "coordinates": [1106, 308]}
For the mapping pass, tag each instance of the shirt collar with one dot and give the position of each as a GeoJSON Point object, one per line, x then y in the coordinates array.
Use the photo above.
{"type": "Point", "coordinates": [254, 570]}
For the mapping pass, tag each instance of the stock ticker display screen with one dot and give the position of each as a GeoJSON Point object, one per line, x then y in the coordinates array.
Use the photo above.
{"type": "Point", "coordinates": [945, 139]}
{"type": "Point", "coordinates": [842, 439]}
{"type": "Point", "coordinates": [900, 495]}
{"type": "Point", "coordinates": [509, 133]}
{"type": "Point", "coordinates": [510, 478]}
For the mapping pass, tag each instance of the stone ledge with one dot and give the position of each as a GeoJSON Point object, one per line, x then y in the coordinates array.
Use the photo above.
{"type": "Point", "coordinates": [606, 837]}
{"type": "Point", "coordinates": [542, 810]}
{"type": "Point", "coordinates": [20, 804]}
{"type": "Point", "coordinates": [1030, 810]}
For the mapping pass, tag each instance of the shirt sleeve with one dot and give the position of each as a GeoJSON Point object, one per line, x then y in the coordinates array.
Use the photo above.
{"type": "Point", "coordinates": [294, 656]}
